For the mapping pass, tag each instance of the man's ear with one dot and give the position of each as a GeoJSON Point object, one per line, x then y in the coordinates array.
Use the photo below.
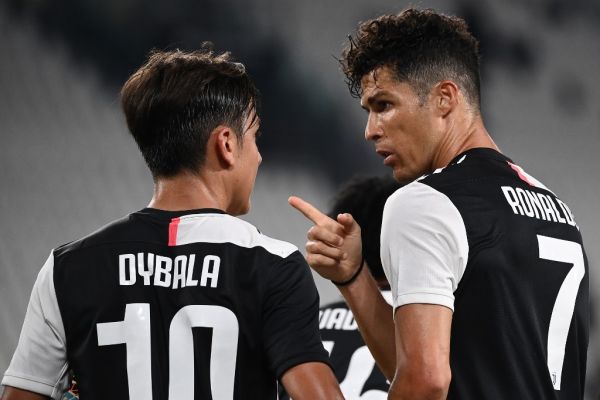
{"type": "Point", "coordinates": [225, 144]}
{"type": "Point", "coordinates": [446, 95]}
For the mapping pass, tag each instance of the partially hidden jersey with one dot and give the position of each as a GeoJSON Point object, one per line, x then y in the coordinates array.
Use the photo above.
{"type": "Point", "coordinates": [350, 358]}
{"type": "Point", "coordinates": [169, 305]}
{"type": "Point", "coordinates": [352, 362]}
{"type": "Point", "coordinates": [487, 240]}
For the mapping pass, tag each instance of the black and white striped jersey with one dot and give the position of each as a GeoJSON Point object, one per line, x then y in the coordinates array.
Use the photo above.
{"type": "Point", "coordinates": [352, 362]}
{"type": "Point", "coordinates": [489, 241]}
{"type": "Point", "coordinates": [350, 358]}
{"type": "Point", "coordinates": [169, 305]}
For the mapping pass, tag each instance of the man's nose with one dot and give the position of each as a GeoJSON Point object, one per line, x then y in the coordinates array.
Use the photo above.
{"type": "Point", "coordinates": [372, 130]}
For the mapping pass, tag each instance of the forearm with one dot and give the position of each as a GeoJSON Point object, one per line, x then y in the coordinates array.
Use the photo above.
{"type": "Point", "coordinates": [11, 393]}
{"type": "Point", "coordinates": [405, 387]}
{"type": "Point", "coordinates": [374, 318]}
{"type": "Point", "coordinates": [312, 380]}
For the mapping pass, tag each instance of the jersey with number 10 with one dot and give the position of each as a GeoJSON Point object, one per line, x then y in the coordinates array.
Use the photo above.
{"type": "Point", "coordinates": [169, 305]}
{"type": "Point", "coordinates": [484, 238]}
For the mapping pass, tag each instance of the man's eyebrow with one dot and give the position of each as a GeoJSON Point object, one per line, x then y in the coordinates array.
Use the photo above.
{"type": "Point", "coordinates": [371, 99]}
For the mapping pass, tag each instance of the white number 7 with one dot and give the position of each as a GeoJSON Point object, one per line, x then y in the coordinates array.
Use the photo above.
{"type": "Point", "coordinates": [571, 253]}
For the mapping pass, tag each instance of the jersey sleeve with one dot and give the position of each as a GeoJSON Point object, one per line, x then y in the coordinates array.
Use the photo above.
{"type": "Point", "coordinates": [291, 316]}
{"type": "Point", "coordinates": [424, 248]}
{"type": "Point", "coordinates": [39, 363]}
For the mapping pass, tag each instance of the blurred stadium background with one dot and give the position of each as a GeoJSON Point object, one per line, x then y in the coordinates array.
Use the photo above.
{"type": "Point", "coordinates": [68, 166]}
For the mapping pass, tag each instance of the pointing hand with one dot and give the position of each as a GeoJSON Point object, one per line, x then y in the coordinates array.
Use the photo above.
{"type": "Point", "coordinates": [334, 248]}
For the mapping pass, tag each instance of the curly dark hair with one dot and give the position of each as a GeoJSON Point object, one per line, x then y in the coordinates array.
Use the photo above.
{"type": "Point", "coordinates": [422, 47]}
{"type": "Point", "coordinates": [176, 99]}
{"type": "Point", "coordinates": [364, 198]}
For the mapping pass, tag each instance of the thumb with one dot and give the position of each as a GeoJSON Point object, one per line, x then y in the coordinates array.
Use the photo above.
{"type": "Point", "coordinates": [348, 222]}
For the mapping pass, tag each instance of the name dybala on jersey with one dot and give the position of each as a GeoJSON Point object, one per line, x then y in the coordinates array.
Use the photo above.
{"type": "Point", "coordinates": [169, 305]}
{"type": "Point", "coordinates": [487, 240]}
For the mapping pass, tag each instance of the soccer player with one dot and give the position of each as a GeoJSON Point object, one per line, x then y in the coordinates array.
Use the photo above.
{"type": "Point", "coordinates": [488, 273]}
{"type": "Point", "coordinates": [353, 364]}
{"type": "Point", "coordinates": [181, 299]}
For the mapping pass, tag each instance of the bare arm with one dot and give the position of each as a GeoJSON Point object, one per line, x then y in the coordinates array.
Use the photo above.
{"type": "Point", "coordinates": [11, 393]}
{"type": "Point", "coordinates": [313, 380]}
{"type": "Point", "coordinates": [334, 251]}
{"type": "Point", "coordinates": [374, 318]}
{"type": "Point", "coordinates": [422, 352]}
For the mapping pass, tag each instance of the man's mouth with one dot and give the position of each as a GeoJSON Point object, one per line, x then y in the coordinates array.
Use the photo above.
{"type": "Point", "coordinates": [387, 156]}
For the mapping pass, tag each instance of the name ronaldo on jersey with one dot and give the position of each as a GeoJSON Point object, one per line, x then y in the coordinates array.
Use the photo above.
{"type": "Point", "coordinates": [538, 205]}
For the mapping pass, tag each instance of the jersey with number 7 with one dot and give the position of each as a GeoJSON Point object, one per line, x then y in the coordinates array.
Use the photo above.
{"type": "Point", "coordinates": [169, 305]}
{"type": "Point", "coordinates": [487, 240]}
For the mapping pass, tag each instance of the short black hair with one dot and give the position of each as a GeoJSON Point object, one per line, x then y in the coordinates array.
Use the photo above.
{"type": "Point", "coordinates": [422, 47]}
{"type": "Point", "coordinates": [364, 198]}
{"type": "Point", "coordinates": [176, 99]}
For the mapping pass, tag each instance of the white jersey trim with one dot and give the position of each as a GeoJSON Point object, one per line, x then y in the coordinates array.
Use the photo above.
{"type": "Point", "coordinates": [224, 228]}
{"type": "Point", "coordinates": [424, 247]}
{"type": "Point", "coordinates": [387, 295]}
{"type": "Point", "coordinates": [39, 363]}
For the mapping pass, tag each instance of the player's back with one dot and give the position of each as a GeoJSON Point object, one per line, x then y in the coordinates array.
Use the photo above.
{"type": "Point", "coordinates": [184, 305]}
{"type": "Point", "coordinates": [520, 323]}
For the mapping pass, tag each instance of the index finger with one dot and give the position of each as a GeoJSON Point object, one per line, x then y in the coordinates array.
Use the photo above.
{"type": "Point", "coordinates": [310, 211]}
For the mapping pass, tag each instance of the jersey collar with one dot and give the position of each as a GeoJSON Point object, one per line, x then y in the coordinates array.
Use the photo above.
{"type": "Point", "coordinates": [480, 152]}
{"type": "Point", "coordinates": [180, 213]}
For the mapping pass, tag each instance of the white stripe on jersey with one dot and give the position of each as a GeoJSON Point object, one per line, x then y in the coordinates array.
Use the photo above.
{"type": "Point", "coordinates": [424, 247]}
{"type": "Point", "coordinates": [223, 228]}
{"type": "Point", "coordinates": [39, 363]}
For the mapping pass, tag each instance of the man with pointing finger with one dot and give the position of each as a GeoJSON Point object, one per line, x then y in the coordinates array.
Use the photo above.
{"type": "Point", "coordinates": [486, 265]}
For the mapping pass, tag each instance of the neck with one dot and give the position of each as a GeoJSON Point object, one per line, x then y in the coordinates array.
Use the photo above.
{"type": "Point", "coordinates": [460, 136]}
{"type": "Point", "coordinates": [187, 191]}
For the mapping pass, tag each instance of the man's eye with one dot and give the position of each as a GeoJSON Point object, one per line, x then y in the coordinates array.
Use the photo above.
{"type": "Point", "coordinates": [383, 105]}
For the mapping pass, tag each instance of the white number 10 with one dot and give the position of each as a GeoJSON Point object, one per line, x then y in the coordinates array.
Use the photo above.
{"type": "Point", "coordinates": [134, 332]}
{"type": "Point", "coordinates": [567, 252]}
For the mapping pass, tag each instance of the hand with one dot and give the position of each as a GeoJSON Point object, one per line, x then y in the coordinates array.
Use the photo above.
{"type": "Point", "coordinates": [334, 248]}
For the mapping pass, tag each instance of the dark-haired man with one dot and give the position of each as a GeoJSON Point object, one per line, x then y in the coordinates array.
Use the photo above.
{"type": "Point", "coordinates": [488, 274]}
{"type": "Point", "coordinates": [180, 300]}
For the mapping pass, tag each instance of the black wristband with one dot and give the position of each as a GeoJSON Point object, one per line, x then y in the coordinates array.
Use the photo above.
{"type": "Point", "coordinates": [353, 277]}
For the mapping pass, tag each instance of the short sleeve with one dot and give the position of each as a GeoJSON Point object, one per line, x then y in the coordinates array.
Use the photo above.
{"type": "Point", "coordinates": [291, 316]}
{"type": "Point", "coordinates": [424, 248]}
{"type": "Point", "coordinates": [39, 363]}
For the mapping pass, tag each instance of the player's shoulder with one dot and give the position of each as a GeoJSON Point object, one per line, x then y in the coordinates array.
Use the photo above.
{"type": "Point", "coordinates": [470, 167]}
{"type": "Point", "coordinates": [113, 231]}
{"type": "Point", "coordinates": [467, 167]}
{"type": "Point", "coordinates": [453, 187]}
{"type": "Point", "coordinates": [225, 228]}
{"type": "Point", "coordinates": [477, 167]}
{"type": "Point", "coordinates": [415, 197]}
{"type": "Point", "coordinates": [173, 229]}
